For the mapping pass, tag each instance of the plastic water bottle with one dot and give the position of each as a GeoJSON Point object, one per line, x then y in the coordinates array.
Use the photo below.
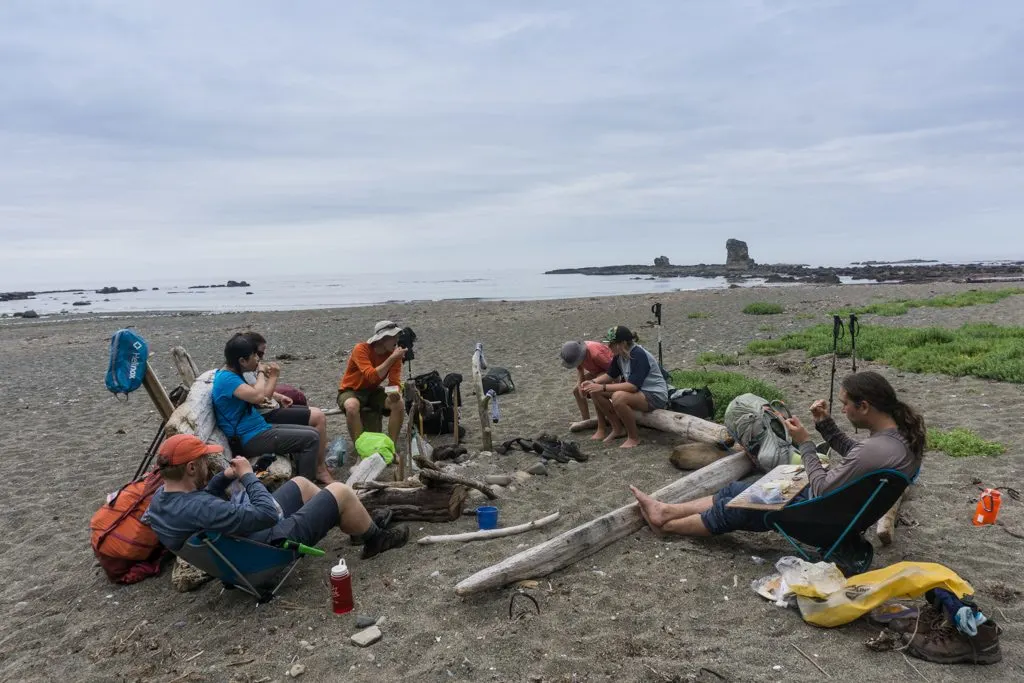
{"type": "Point", "coordinates": [341, 588]}
{"type": "Point", "coordinates": [495, 411]}
{"type": "Point", "coordinates": [336, 452]}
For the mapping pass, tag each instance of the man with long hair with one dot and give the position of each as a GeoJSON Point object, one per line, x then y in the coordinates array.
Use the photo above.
{"type": "Point", "coordinates": [896, 440]}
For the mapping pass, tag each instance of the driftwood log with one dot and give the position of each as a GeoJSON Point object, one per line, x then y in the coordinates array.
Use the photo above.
{"type": "Point", "coordinates": [196, 416]}
{"type": "Point", "coordinates": [187, 369]}
{"type": "Point", "coordinates": [886, 526]}
{"type": "Point", "coordinates": [483, 401]}
{"type": "Point", "coordinates": [693, 456]}
{"type": "Point", "coordinates": [575, 544]}
{"type": "Point", "coordinates": [424, 503]}
{"type": "Point", "coordinates": [687, 426]}
{"type": "Point", "coordinates": [485, 534]}
{"type": "Point", "coordinates": [157, 393]}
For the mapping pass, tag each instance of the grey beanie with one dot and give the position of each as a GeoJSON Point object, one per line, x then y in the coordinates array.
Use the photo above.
{"type": "Point", "coordinates": [573, 353]}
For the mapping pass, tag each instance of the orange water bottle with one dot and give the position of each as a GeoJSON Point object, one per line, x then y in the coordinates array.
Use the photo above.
{"type": "Point", "coordinates": [988, 507]}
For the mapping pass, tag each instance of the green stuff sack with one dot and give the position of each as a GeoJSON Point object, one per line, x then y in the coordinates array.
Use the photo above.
{"type": "Point", "coordinates": [369, 443]}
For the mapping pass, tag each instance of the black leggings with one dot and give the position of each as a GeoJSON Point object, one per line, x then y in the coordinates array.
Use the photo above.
{"type": "Point", "coordinates": [301, 442]}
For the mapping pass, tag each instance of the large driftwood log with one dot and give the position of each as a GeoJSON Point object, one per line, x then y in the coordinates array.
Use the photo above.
{"type": "Point", "coordinates": [483, 401]}
{"type": "Point", "coordinates": [693, 456]}
{"type": "Point", "coordinates": [430, 476]}
{"type": "Point", "coordinates": [575, 544]}
{"type": "Point", "coordinates": [187, 369]}
{"type": "Point", "coordinates": [157, 393]}
{"type": "Point", "coordinates": [687, 426]}
{"type": "Point", "coordinates": [425, 504]}
{"type": "Point", "coordinates": [886, 526]}
{"type": "Point", "coordinates": [196, 416]}
{"type": "Point", "coordinates": [485, 534]}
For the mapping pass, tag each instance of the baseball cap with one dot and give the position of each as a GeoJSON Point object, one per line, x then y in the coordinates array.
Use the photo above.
{"type": "Point", "coordinates": [181, 449]}
{"type": "Point", "coordinates": [619, 333]}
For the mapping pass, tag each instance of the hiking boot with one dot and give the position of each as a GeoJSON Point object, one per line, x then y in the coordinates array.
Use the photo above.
{"type": "Point", "coordinates": [573, 451]}
{"type": "Point", "coordinates": [947, 645]}
{"type": "Point", "coordinates": [381, 517]}
{"type": "Point", "coordinates": [926, 620]}
{"type": "Point", "coordinates": [385, 540]}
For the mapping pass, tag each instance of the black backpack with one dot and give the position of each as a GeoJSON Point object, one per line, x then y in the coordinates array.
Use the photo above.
{"type": "Point", "coordinates": [438, 402]}
{"type": "Point", "coordinates": [500, 380]}
{"type": "Point", "coordinates": [696, 402]}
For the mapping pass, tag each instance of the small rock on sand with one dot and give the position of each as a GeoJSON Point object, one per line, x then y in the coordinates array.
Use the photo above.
{"type": "Point", "coordinates": [296, 670]}
{"type": "Point", "coordinates": [363, 621]}
{"type": "Point", "coordinates": [537, 468]}
{"type": "Point", "coordinates": [522, 477]}
{"type": "Point", "coordinates": [367, 636]}
{"type": "Point", "coordinates": [498, 479]}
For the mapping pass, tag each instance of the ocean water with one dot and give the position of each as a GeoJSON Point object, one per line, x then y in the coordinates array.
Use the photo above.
{"type": "Point", "coordinates": [283, 294]}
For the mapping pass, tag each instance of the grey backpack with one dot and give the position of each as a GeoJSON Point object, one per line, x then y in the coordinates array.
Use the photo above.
{"type": "Point", "coordinates": [756, 425]}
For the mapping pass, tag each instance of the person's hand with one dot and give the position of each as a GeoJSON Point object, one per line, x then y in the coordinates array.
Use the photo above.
{"type": "Point", "coordinates": [819, 410]}
{"type": "Point", "coordinates": [238, 467]}
{"type": "Point", "coordinates": [593, 388]}
{"type": "Point", "coordinates": [398, 353]}
{"type": "Point", "coordinates": [284, 401]}
{"type": "Point", "coordinates": [797, 431]}
{"type": "Point", "coordinates": [273, 369]}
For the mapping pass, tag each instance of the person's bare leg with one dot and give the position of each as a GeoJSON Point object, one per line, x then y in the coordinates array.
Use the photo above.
{"type": "Point", "coordinates": [624, 403]}
{"type": "Point", "coordinates": [602, 419]}
{"type": "Point", "coordinates": [319, 420]}
{"type": "Point", "coordinates": [658, 514]}
{"type": "Point", "coordinates": [306, 488]}
{"type": "Point", "coordinates": [581, 403]}
{"type": "Point", "coordinates": [394, 403]}
{"type": "Point", "coordinates": [603, 403]}
{"type": "Point", "coordinates": [352, 419]}
{"type": "Point", "coordinates": [355, 520]}
{"type": "Point", "coordinates": [687, 526]}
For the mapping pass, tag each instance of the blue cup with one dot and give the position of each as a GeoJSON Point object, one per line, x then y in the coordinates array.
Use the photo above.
{"type": "Point", "coordinates": [487, 517]}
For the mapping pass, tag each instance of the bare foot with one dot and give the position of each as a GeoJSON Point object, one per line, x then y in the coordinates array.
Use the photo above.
{"type": "Point", "coordinates": [598, 436]}
{"type": "Point", "coordinates": [651, 509]}
{"type": "Point", "coordinates": [614, 435]}
{"type": "Point", "coordinates": [630, 443]}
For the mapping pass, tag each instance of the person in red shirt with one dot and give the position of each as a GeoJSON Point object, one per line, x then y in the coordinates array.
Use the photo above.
{"type": "Point", "coordinates": [372, 366]}
{"type": "Point", "coordinates": [589, 359]}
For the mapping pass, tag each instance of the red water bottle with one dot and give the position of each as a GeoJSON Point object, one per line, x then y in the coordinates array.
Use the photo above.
{"type": "Point", "coordinates": [988, 507]}
{"type": "Point", "coordinates": [341, 588]}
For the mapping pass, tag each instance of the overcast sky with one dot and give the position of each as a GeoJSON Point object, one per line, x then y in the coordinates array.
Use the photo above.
{"type": "Point", "coordinates": [162, 139]}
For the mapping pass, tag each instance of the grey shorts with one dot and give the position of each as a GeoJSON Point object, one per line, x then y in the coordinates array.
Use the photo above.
{"type": "Point", "coordinates": [306, 524]}
{"type": "Point", "coordinates": [655, 401]}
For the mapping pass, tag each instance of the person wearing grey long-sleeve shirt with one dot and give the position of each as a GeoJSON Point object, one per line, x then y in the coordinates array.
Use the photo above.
{"type": "Point", "coordinates": [896, 441]}
{"type": "Point", "coordinates": [298, 511]}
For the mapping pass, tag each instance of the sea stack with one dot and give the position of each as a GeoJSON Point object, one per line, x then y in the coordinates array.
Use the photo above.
{"type": "Point", "coordinates": [736, 255]}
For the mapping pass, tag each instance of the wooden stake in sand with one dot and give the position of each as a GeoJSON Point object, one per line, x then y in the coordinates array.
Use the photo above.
{"type": "Point", "coordinates": [886, 526]}
{"type": "Point", "coordinates": [485, 534]}
{"type": "Point", "coordinates": [575, 544]}
{"type": "Point", "coordinates": [687, 426]}
{"type": "Point", "coordinates": [157, 393]}
{"type": "Point", "coordinates": [483, 401]}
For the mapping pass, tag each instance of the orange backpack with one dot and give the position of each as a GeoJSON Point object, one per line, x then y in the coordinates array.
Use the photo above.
{"type": "Point", "coordinates": [119, 538]}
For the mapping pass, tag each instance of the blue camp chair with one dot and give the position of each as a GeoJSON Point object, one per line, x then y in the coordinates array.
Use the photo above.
{"type": "Point", "coordinates": [256, 568]}
{"type": "Point", "coordinates": [835, 522]}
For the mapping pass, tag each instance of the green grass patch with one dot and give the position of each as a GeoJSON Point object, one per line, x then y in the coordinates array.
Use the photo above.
{"type": "Point", "coordinates": [977, 349]}
{"type": "Point", "coordinates": [962, 443]}
{"type": "Point", "coordinates": [716, 358]}
{"type": "Point", "coordinates": [971, 297]}
{"type": "Point", "coordinates": [805, 316]}
{"type": "Point", "coordinates": [762, 308]}
{"type": "Point", "coordinates": [698, 315]}
{"type": "Point", "coordinates": [724, 386]}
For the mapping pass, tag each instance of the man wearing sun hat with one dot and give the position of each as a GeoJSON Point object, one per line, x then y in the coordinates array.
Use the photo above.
{"type": "Point", "coordinates": [589, 359]}
{"type": "Point", "coordinates": [298, 511]}
{"type": "Point", "coordinates": [372, 366]}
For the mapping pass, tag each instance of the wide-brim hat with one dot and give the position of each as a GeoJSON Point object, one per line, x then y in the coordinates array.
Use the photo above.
{"type": "Point", "coordinates": [573, 353]}
{"type": "Point", "coordinates": [384, 329]}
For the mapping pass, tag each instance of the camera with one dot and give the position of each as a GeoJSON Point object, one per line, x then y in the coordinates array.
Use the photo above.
{"type": "Point", "coordinates": [406, 338]}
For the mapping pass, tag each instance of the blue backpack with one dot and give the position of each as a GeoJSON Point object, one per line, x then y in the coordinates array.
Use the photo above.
{"type": "Point", "coordinates": [128, 355]}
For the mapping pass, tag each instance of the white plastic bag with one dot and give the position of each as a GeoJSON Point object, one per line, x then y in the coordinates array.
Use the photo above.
{"type": "Point", "coordinates": [817, 579]}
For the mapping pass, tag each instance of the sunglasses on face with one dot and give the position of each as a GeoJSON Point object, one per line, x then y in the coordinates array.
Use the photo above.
{"type": "Point", "coordinates": [261, 353]}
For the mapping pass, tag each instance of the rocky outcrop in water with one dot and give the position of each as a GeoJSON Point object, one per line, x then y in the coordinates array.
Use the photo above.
{"type": "Point", "coordinates": [736, 255]}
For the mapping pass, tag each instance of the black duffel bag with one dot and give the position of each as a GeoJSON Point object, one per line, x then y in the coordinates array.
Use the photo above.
{"type": "Point", "coordinates": [696, 402]}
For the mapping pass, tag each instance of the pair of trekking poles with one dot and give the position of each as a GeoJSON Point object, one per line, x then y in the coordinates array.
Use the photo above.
{"type": "Point", "coordinates": [839, 330]}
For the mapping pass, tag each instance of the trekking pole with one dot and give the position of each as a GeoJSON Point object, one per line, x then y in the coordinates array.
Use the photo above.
{"type": "Point", "coordinates": [151, 452]}
{"type": "Point", "coordinates": [656, 310]}
{"type": "Point", "coordinates": [854, 329]}
{"type": "Point", "coordinates": [837, 333]}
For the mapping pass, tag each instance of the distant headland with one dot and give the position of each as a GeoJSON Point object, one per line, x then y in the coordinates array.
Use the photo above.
{"type": "Point", "coordinates": [740, 266]}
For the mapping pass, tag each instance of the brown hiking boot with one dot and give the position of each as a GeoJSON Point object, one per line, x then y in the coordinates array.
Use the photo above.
{"type": "Point", "coordinates": [947, 645]}
{"type": "Point", "coordinates": [387, 539]}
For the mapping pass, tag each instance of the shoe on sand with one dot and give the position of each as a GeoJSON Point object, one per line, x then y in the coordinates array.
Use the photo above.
{"type": "Point", "coordinates": [381, 517]}
{"type": "Point", "coordinates": [385, 540]}
{"type": "Point", "coordinates": [947, 645]}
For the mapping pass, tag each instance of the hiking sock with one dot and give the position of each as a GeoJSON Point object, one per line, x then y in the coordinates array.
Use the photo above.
{"type": "Point", "coordinates": [372, 531]}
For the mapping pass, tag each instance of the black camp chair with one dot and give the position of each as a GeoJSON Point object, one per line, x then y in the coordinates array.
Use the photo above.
{"type": "Point", "coordinates": [835, 522]}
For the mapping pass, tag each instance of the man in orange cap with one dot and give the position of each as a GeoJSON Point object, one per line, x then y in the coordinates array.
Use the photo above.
{"type": "Point", "coordinates": [298, 511]}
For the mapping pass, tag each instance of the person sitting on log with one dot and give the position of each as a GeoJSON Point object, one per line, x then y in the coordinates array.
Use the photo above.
{"type": "Point", "coordinates": [633, 381]}
{"type": "Point", "coordinates": [288, 413]}
{"type": "Point", "coordinates": [372, 366]}
{"type": "Point", "coordinates": [190, 501]}
{"type": "Point", "coordinates": [234, 401]}
{"type": "Point", "coordinates": [896, 441]}
{"type": "Point", "coordinates": [590, 359]}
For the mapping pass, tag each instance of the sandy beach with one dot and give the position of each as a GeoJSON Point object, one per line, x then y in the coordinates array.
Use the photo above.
{"type": "Point", "coordinates": [642, 609]}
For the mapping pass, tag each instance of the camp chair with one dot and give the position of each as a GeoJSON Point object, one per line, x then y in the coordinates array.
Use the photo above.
{"type": "Point", "coordinates": [256, 568]}
{"type": "Point", "coordinates": [835, 522]}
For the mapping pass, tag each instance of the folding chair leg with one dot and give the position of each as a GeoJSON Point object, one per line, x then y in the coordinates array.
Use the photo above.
{"type": "Point", "coordinates": [245, 584]}
{"type": "Point", "coordinates": [284, 578]}
{"type": "Point", "coordinates": [792, 542]}
{"type": "Point", "coordinates": [853, 521]}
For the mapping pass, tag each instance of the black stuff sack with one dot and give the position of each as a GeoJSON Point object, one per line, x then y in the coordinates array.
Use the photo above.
{"type": "Point", "coordinates": [499, 380]}
{"type": "Point", "coordinates": [696, 402]}
{"type": "Point", "coordinates": [438, 402]}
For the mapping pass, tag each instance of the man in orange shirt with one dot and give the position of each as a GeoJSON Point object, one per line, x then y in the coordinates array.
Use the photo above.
{"type": "Point", "coordinates": [372, 366]}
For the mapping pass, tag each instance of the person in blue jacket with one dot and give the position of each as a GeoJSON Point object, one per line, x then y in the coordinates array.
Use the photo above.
{"type": "Point", "coordinates": [633, 381]}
